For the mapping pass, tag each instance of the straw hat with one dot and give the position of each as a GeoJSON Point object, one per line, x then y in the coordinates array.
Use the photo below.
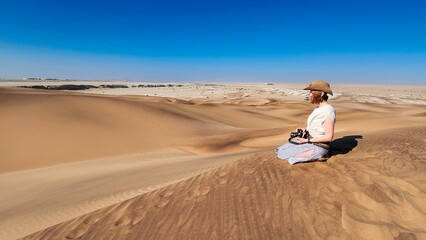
{"type": "Point", "coordinates": [319, 85]}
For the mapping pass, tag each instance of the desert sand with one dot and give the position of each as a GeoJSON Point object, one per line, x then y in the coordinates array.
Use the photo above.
{"type": "Point", "coordinates": [198, 162]}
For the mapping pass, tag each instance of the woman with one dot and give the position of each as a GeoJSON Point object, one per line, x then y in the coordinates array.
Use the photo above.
{"type": "Point", "coordinates": [320, 128]}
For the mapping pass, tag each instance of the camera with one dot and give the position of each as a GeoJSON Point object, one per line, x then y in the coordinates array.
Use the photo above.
{"type": "Point", "coordinates": [299, 133]}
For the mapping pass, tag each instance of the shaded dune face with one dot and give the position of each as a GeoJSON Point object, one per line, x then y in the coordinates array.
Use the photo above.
{"type": "Point", "coordinates": [43, 128]}
{"type": "Point", "coordinates": [374, 191]}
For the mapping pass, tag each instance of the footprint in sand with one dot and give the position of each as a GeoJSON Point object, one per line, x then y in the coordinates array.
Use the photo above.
{"type": "Point", "coordinates": [221, 177]}
{"type": "Point", "coordinates": [221, 173]}
{"type": "Point", "coordinates": [123, 220]}
{"type": "Point", "coordinates": [248, 170]}
{"type": "Point", "coordinates": [138, 216]}
{"type": "Point", "coordinates": [162, 202]}
{"type": "Point", "coordinates": [193, 193]}
{"type": "Point", "coordinates": [92, 219]}
{"type": "Point", "coordinates": [78, 232]}
{"type": "Point", "coordinates": [221, 180]}
{"type": "Point", "coordinates": [166, 193]}
{"type": "Point", "coordinates": [199, 191]}
{"type": "Point", "coordinates": [204, 190]}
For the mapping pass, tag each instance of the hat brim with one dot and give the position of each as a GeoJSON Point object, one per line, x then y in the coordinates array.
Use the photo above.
{"type": "Point", "coordinates": [316, 89]}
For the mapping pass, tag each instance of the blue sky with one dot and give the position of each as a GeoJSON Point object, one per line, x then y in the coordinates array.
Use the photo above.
{"type": "Point", "coordinates": [201, 40]}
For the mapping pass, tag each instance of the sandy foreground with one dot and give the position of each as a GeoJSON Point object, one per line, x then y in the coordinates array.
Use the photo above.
{"type": "Point", "coordinates": [197, 162]}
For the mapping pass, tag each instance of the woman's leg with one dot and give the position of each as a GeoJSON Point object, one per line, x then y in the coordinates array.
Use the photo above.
{"type": "Point", "coordinates": [289, 150]}
{"type": "Point", "coordinates": [306, 154]}
{"type": "Point", "coordinates": [314, 153]}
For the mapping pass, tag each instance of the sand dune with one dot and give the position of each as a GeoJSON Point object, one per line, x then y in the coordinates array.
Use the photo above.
{"type": "Point", "coordinates": [55, 127]}
{"type": "Point", "coordinates": [43, 197]}
{"type": "Point", "coordinates": [143, 167]}
{"type": "Point", "coordinates": [378, 195]}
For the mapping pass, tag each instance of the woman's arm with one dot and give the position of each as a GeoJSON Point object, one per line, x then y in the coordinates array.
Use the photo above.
{"type": "Point", "coordinates": [329, 131]}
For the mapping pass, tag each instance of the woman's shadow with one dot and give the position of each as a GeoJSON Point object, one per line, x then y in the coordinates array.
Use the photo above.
{"type": "Point", "coordinates": [343, 145]}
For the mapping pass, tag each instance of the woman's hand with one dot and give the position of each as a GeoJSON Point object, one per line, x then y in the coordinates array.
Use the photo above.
{"type": "Point", "coordinates": [300, 140]}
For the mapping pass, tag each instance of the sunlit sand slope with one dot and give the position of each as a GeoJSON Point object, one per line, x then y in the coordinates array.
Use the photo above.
{"type": "Point", "coordinates": [376, 190]}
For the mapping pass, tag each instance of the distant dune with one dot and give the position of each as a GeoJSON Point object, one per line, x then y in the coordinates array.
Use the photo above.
{"type": "Point", "coordinates": [99, 166]}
